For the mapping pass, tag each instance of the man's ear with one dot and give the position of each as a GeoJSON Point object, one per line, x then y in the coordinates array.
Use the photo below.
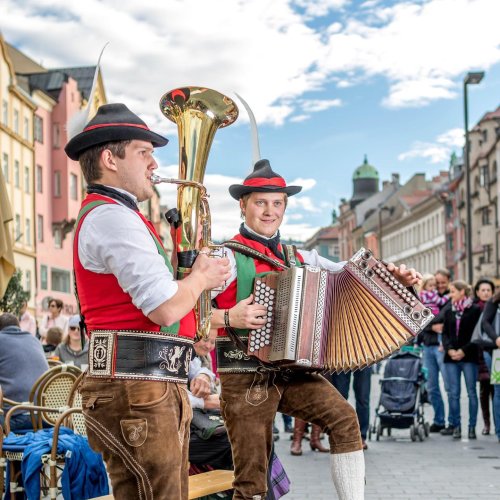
{"type": "Point", "coordinates": [108, 160]}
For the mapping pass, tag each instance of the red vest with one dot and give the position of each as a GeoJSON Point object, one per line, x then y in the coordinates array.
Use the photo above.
{"type": "Point", "coordinates": [103, 303]}
{"type": "Point", "coordinates": [227, 298]}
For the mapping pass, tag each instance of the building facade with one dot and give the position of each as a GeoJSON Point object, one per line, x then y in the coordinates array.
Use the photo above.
{"type": "Point", "coordinates": [17, 156]}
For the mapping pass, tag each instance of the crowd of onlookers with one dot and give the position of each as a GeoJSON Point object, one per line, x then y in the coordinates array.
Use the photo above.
{"type": "Point", "coordinates": [450, 351]}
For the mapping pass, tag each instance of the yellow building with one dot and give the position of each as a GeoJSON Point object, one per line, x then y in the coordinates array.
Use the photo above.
{"type": "Point", "coordinates": [17, 157]}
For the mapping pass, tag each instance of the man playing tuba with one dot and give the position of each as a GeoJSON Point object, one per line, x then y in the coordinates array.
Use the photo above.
{"type": "Point", "coordinates": [138, 317]}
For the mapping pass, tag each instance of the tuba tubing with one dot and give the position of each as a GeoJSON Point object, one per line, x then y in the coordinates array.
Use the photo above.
{"type": "Point", "coordinates": [198, 112]}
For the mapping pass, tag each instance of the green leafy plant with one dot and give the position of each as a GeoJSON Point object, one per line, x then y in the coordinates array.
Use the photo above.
{"type": "Point", "coordinates": [15, 296]}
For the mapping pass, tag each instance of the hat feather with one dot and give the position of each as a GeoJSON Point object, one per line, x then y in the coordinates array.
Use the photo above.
{"type": "Point", "coordinates": [254, 131]}
{"type": "Point", "coordinates": [77, 122]}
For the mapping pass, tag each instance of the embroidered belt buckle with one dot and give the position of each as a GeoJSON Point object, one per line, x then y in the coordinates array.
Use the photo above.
{"type": "Point", "coordinates": [139, 355]}
{"type": "Point", "coordinates": [231, 359]}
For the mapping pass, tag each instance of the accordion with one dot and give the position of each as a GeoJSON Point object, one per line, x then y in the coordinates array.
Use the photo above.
{"type": "Point", "coordinates": [336, 321]}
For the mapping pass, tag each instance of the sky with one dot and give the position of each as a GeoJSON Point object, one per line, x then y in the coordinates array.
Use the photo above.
{"type": "Point", "coordinates": [329, 82]}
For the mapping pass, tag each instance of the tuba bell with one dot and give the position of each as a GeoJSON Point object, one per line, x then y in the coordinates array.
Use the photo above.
{"type": "Point", "coordinates": [198, 113]}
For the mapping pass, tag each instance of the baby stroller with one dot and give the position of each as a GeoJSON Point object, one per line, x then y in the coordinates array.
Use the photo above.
{"type": "Point", "coordinates": [402, 398]}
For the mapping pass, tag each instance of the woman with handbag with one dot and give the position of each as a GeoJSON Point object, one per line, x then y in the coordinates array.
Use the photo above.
{"type": "Point", "coordinates": [461, 355]}
{"type": "Point", "coordinates": [490, 326]}
{"type": "Point", "coordinates": [483, 291]}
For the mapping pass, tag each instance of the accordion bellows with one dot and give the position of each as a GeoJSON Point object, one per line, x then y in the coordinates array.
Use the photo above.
{"type": "Point", "coordinates": [335, 321]}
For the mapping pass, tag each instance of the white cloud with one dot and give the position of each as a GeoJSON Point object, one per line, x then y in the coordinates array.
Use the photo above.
{"type": "Point", "coordinates": [453, 137]}
{"type": "Point", "coordinates": [319, 8]}
{"type": "Point", "coordinates": [266, 51]}
{"type": "Point", "coordinates": [306, 184]}
{"type": "Point", "coordinates": [299, 118]}
{"type": "Point", "coordinates": [438, 151]}
{"type": "Point", "coordinates": [417, 46]}
{"type": "Point", "coordinates": [315, 105]}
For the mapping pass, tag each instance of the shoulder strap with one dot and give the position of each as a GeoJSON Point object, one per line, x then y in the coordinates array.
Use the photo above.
{"type": "Point", "coordinates": [251, 252]}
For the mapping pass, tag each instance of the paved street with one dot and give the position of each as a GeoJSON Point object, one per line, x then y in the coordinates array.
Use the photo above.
{"type": "Point", "coordinates": [397, 468]}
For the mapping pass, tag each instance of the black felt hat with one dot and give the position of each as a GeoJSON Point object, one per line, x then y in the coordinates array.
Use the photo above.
{"type": "Point", "coordinates": [262, 180]}
{"type": "Point", "coordinates": [113, 122]}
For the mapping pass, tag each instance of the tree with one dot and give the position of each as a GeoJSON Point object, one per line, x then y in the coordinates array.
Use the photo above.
{"type": "Point", "coordinates": [15, 296]}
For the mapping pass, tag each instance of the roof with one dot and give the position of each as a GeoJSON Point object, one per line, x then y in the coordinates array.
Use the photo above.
{"type": "Point", "coordinates": [22, 63]}
{"type": "Point", "coordinates": [83, 75]}
{"type": "Point", "coordinates": [416, 197]}
{"type": "Point", "coordinates": [365, 171]}
{"type": "Point", "coordinates": [50, 82]}
{"type": "Point", "coordinates": [327, 233]}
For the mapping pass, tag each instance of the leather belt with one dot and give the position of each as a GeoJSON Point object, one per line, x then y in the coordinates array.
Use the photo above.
{"type": "Point", "coordinates": [139, 355]}
{"type": "Point", "coordinates": [231, 359]}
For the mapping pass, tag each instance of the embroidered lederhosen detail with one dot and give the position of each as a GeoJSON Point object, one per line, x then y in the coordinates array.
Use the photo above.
{"type": "Point", "coordinates": [139, 355]}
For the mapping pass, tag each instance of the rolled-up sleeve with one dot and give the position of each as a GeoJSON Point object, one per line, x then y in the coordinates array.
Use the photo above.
{"type": "Point", "coordinates": [114, 240]}
{"type": "Point", "coordinates": [312, 258]}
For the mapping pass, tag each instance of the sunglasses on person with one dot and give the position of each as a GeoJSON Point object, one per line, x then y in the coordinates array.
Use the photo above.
{"type": "Point", "coordinates": [74, 328]}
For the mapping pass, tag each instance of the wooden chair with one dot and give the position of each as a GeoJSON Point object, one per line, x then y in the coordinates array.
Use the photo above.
{"type": "Point", "coordinates": [73, 418]}
{"type": "Point", "coordinates": [48, 399]}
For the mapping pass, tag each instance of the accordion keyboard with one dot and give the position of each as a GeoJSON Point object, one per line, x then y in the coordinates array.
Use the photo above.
{"type": "Point", "coordinates": [260, 338]}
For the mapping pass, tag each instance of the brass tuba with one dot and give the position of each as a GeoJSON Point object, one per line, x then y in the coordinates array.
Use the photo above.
{"type": "Point", "coordinates": [198, 113]}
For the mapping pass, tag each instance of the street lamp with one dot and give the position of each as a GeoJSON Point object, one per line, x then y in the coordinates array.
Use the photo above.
{"type": "Point", "coordinates": [472, 78]}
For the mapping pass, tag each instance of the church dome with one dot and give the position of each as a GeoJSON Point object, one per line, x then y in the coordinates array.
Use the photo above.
{"type": "Point", "coordinates": [365, 171]}
{"type": "Point", "coordinates": [365, 182]}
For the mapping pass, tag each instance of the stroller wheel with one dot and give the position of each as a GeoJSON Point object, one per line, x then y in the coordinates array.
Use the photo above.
{"type": "Point", "coordinates": [413, 433]}
{"type": "Point", "coordinates": [389, 431]}
{"type": "Point", "coordinates": [379, 432]}
{"type": "Point", "coordinates": [421, 432]}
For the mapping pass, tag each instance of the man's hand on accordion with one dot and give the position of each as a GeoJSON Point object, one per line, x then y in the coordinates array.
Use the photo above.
{"type": "Point", "coordinates": [406, 276]}
{"type": "Point", "coordinates": [245, 314]}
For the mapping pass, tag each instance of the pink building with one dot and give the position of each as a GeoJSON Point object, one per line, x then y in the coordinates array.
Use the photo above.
{"type": "Point", "coordinates": [58, 185]}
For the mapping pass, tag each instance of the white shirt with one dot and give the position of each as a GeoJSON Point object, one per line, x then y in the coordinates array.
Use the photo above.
{"type": "Point", "coordinates": [310, 257]}
{"type": "Point", "coordinates": [114, 240]}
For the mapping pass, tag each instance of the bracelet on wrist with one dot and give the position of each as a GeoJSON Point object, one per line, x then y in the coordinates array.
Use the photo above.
{"type": "Point", "coordinates": [226, 318]}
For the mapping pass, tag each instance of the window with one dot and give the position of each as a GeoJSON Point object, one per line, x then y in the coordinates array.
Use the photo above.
{"type": "Point", "coordinates": [39, 179]}
{"type": "Point", "coordinates": [487, 253]}
{"type": "Point", "coordinates": [57, 183]}
{"type": "Point", "coordinates": [73, 187]}
{"type": "Point", "coordinates": [485, 216]}
{"type": "Point", "coordinates": [17, 180]}
{"type": "Point", "coordinates": [60, 280]}
{"type": "Point", "coordinates": [5, 165]}
{"type": "Point", "coordinates": [57, 238]}
{"type": "Point", "coordinates": [28, 231]}
{"type": "Point", "coordinates": [16, 121]}
{"type": "Point", "coordinates": [39, 227]}
{"type": "Point", "coordinates": [27, 278]}
{"type": "Point", "coordinates": [39, 129]}
{"type": "Point", "coordinates": [484, 176]}
{"type": "Point", "coordinates": [5, 112]}
{"type": "Point", "coordinates": [449, 242]}
{"type": "Point", "coordinates": [26, 179]}
{"type": "Point", "coordinates": [56, 135]}
{"type": "Point", "coordinates": [27, 129]}
{"type": "Point", "coordinates": [17, 229]}
{"type": "Point", "coordinates": [43, 278]}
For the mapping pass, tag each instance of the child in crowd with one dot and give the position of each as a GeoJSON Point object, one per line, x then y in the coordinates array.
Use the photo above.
{"type": "Point", "coordinates": [430, 298]}
{"type": "Point", "coordinates": [53, 339]}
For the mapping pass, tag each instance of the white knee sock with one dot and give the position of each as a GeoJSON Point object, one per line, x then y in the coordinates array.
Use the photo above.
{"type": "Point", "coordinates": [348, 473]}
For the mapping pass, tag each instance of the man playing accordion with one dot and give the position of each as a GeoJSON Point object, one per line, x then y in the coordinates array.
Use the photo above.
{"type": "Point", "coordinates": [252, 393]}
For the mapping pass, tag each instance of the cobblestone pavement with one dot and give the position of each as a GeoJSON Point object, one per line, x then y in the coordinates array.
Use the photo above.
{"type": "Point", "coordinates": [397, 468]}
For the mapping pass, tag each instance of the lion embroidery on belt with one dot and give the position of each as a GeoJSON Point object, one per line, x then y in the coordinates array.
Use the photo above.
{"type": "Point", "coordinates": [171, 358]}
